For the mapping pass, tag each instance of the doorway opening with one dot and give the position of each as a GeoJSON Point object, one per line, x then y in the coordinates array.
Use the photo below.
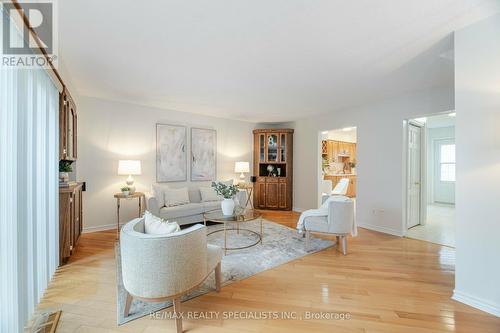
{"type": "Point", "coordinates": [337, 163]}
{"type": "Point", "coordinates": [430, 194]}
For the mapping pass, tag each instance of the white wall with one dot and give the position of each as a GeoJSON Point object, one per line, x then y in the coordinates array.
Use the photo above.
{"type": "Point", "coordinates": [379, 154]}
{"type": "Point", "coordinates": [477, 101]}
{"type": "Point", "coordinates": [110, 131]}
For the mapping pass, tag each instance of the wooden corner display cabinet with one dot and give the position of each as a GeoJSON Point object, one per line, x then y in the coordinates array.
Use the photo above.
{"type": "Point", "coordinates": [273, 168]}
{"type": "Point", "coordinates": [70, 197]}
{"type": "Point", "coordinates": [68, 122]}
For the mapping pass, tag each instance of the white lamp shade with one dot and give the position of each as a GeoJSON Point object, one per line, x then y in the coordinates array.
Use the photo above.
{"type": "Point", "coordinates": [241, 167]}
{"type": "Point", "coordinates": [129, 167]}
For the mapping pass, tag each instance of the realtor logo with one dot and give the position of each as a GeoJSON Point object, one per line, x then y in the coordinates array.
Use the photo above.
{"type": "Point", "coordinates": [19, 47]}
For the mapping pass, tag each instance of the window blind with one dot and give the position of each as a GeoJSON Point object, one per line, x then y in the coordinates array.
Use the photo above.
{"type": "Point", "coordinates": [28, 191]}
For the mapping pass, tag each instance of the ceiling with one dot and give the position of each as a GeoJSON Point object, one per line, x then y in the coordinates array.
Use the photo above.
{"type": "Point", "coordinates": [260, 61]}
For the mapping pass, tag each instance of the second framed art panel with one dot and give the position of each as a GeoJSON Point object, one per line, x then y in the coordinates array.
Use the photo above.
{"type": "Point", "coordinates": [203, 154]}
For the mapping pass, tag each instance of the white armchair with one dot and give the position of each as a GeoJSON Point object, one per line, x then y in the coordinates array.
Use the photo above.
{"type": "Point", "coordinates": [326, 189]}
{"type": "Point", "coordinates": [157, 268]}
{"type": "Point", "coordinates": [341, 187]}
{"type": "Point", "coordinates": [339, 222]}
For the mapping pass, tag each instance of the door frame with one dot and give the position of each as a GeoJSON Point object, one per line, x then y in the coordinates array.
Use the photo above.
{"type": "Point", "coordinates": [319, 161]}
{"type": "Point", "coordinates": [423, 173]}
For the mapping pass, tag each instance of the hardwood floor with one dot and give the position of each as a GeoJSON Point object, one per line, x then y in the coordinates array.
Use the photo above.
{"type": "Point", "coordinates": [384, 284]}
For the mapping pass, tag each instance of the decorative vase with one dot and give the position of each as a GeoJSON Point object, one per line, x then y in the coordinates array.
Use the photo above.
{"type": "Point", "coordinates": [126, 193]}
{"type": "Point", "coordinates": [227, 206]}
{"type": "Point", "coordinates": [63, 177]}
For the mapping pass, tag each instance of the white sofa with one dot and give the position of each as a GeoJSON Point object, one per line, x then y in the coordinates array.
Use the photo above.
{"type": "Point", "coordinates": [191, 212]}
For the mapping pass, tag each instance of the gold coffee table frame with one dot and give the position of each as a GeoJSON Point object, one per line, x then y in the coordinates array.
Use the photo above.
{"type": "Point", "coordinates": [240, 216]}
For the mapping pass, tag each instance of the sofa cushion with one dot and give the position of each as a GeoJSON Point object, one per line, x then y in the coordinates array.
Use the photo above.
{"type": "Point", "coordinates": [176, 196]}
{"type": "Point", "coordinates": [194, 195]}
{"type": "Point", "coordinates": [181, 211]}
{"type": "Point", "coordinates": [156, 226]}
{"type": "Point", "coordinates": [211, 205]}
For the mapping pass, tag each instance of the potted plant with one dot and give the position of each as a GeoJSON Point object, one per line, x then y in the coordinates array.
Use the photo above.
{"type": "Point", "coordinates": [125, 190]}
{"type": "Point", "coordinates": [227, 192]}
{"type": "Point", "coordinates": [352, 165]}
{"type": "Point", "coordinates": [64, 169]}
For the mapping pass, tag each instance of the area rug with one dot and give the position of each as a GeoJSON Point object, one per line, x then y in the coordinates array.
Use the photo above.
{"type": "Point", "coordinates": [280, 245]}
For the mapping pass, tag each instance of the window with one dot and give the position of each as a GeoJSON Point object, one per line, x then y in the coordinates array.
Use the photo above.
{"type": "Point", "coordinates": [447, 163]}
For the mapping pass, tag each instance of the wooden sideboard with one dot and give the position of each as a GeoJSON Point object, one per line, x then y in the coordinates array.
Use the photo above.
{"type": "Point", "coordinates": [273, 168]}
{"type": "Point", "coordinates": [70, 220]}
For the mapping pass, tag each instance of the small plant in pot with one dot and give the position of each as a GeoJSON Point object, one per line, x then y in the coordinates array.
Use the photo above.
{"type": "Point", "coordinates": [125, 190]}
{"type": "Point", "coordinates": [352, 165]}
{"type": "Point", "coordinates": [64, 170]}
{"type": "Point", "coordinates": [227, 192]}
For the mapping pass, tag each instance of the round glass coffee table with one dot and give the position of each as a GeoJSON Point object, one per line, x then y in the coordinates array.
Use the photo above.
{"type": "Point", "coordinates": [239, 216]}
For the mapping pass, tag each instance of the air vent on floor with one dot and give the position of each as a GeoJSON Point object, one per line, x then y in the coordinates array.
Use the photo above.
{"type": "Point", "coordinates": [44, 322]}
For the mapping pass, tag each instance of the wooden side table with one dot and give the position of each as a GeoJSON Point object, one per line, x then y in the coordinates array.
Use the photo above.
{"type": "Point", "coordinates": [120, 196]}
{"type": "Point", "coordinates": [248, 187]}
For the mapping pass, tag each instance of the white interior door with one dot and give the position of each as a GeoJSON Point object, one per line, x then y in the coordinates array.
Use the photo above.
{"type": "Point", "coordinates": [444, 171]}
{"type": "Point", "coordinates": [414, 174]}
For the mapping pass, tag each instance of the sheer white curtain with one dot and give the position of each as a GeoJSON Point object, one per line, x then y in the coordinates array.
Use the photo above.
{"type": "Point", "coordinates": [29, 221]}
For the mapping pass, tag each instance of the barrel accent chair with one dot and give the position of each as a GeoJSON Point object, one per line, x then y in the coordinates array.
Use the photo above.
{"type": "Point", "coordinates": [339, 222]}
{"type": "Point", "coordinates": [158, 268]}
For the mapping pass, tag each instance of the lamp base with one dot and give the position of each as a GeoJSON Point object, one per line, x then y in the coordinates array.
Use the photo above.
{"type": "Point", "coordinates": [130, 184]}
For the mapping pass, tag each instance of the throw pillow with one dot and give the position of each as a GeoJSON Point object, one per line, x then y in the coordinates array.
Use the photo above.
{"type": "Point", "coordinates": [208, 194]}
{"type": "Point", "coordinates": [158, 191]}
{"type": "Point", "coordinates": [227, 182]}
{"type": "Point", "coordinates": [154, 225]}
{"type": "Point", "coordinates": [176, 196]}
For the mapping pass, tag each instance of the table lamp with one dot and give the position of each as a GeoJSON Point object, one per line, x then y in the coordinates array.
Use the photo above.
{"type": "Point", "coordinates": [242, 168]}
{"type": "Point", "coordinates": [129, 168]}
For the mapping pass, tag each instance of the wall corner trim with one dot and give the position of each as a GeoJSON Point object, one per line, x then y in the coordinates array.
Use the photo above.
{"type": "Point", "coordinates": [476, 302]}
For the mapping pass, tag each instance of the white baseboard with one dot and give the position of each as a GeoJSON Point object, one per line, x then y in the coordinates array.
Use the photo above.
{"type": "Point", "coordinates": [99, 228]}
{"type": "Point", "coordinates": [378, 228]}
{"type": "Point", "coordinates": [476, 302]}
{"type": "Point", "coordinates": [298, 210]}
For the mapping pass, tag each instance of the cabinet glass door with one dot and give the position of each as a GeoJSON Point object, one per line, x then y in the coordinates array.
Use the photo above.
{"type": "Point", "coordinates": [262, 149]}
{"type": "Point", "coordinates": [70, 140]}
{"type": "Point", "coordinates": [283, 147]}
{"type": "Point", "coordinates": [272, 148]}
